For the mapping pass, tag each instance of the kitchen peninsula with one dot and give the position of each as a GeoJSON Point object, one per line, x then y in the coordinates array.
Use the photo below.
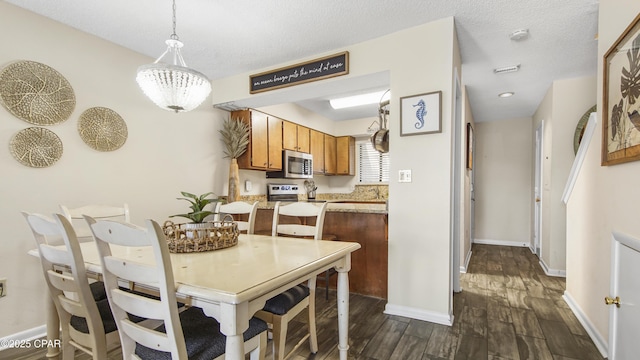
{"type": "Point", "coordinates": [361, 217]}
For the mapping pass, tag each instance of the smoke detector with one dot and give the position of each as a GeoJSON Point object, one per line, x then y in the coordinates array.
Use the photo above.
{"type": "Point", "coordinates": [519, 34]}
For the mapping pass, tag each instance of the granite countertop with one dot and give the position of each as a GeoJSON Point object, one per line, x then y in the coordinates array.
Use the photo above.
{"type": "Point", "coordinates": [363, 199]}
{"type": "Point", "coordinates": [342, 206]}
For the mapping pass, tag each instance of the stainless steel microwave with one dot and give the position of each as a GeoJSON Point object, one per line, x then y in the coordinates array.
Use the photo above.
{"type": "Point", "coordinates": [295, 165]}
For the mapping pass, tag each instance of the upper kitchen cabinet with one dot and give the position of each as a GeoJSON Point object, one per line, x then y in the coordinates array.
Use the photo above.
{"type": "Point", "coordinates": [295, 137]}
{"type": "Point", "coordinates": [264, 151]}
{"type": "Point", "coordinates": [329, 154]}
{"type": "Point", "coordinates": [317, 150]}
{"type": "Point", "coordinates": [345, 155]}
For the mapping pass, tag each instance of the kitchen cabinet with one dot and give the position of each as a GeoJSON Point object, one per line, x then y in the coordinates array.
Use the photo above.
{"type": "Point", "coordinates": [295, 137]}
{"type": "Point", "coordinates": [317, 150]}
{"type": "Point", "coordinates": [264, 151]}
{"type": "Point", "coordinates": [369, 265]}
{"type": "Point", "coordinates": [269, 135]}
{"type": "Point", "coordinates": [329, 154]}
{"type": "Point", "coordinates": [345, 155]}
{"type": "Point", "coordinates": [324, 151]}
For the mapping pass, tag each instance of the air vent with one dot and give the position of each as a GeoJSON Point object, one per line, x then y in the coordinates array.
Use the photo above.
{"type": "Point", "coordinates": [520, 34]}
{"type": "Point", "coordinates": [506, 69]}
{"type": "Point", "coordinates": [228, 106]}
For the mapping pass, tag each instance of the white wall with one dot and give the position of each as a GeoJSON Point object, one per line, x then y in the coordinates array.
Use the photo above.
{"type": "Point", "coordinates": [563, 106]}
{"type": "Point", "coordinates": [503, 181]}
{"type": "Point", "coordinates": [164, 154]}
{"type": "Point", "coordinates": [603, 199]}
{"type": "Point", "coordinates": [419, 236]}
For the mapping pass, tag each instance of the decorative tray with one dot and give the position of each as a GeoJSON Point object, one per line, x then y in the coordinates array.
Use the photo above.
{"type": "Point", "coordinates": [207, 236]}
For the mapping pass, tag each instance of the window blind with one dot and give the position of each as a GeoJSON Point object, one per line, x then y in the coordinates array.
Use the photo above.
{"type": "Point", "coordinates": [373, 165]}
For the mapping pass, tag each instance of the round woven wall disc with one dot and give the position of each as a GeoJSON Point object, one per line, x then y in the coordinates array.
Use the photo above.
{"type": "Point", "coordinates": [36, 147]}
{"type": "Point", "coordinates": [102, 129]}
{"type": "Point", "coordinates": [36, 93]}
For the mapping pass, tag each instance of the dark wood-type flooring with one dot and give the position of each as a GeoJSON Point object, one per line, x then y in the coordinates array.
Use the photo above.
{"type": "Point", "coordinates": [508, 309]}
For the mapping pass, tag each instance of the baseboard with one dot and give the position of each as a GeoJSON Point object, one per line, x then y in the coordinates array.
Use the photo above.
{"type": "Point", "coordinates": [598, 340]}
{"type": "Point", "coordinates": [463, 268]}
{"type": "Point", "coordinates": [25, 336]}
{"type": "Point", "coordinates": [552, 272]}
{"type": "Point", "coordinates": [419, 314]}
{"type": "Point", "coordinates": [500, 242]}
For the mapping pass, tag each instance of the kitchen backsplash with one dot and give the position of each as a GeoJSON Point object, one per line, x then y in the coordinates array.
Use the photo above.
{"type": "Point", "coordinates": [360, 193]}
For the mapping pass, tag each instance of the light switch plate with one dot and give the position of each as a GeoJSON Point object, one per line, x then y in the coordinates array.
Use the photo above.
{"type": "Point", "coordinates": [247, 185]}
{"type": "Point", "coordinates": [404, 176]}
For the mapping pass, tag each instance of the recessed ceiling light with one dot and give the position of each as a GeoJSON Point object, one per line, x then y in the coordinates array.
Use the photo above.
{"type": "Point", "coordinates": [357, 100]}
{"type": "Point", "coordinates": [506, 94]}
{"type": "Point", "coordinates": [520, 34]}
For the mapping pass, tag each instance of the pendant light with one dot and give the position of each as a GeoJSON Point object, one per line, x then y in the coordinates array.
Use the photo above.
{"type": "Point", "coordinates": [174, 86]}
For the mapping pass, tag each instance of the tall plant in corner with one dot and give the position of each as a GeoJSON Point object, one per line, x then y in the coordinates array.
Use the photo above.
{"type": "Point", "coordinates": [235, 137]}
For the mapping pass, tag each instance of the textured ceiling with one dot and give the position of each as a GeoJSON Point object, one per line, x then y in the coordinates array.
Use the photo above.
{"type": "Point", "coordinates": [228, 37]}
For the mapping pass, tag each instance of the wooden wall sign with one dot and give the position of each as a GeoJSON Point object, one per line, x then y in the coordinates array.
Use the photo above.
{"type": "Point", "coordinates": [323, 68]}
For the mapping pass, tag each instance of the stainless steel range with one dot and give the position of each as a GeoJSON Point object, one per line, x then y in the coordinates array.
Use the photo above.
{"type": "Point", "coordinates": [282, 192]}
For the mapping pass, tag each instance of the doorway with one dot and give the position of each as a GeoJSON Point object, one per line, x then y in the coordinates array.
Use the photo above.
{"type": "Point", "coordinates": [456, 182]}
{"type": "Point", "coordinates": [624, 298]}
{"type": "Point", "coordinates": [536, 246]}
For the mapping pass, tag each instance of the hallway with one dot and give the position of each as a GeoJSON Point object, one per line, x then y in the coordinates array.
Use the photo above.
{"type": "Point", "coordinates": [508, 309]}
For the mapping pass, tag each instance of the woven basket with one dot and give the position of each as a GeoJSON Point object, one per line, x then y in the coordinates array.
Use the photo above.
{"type": "Point", "coordinates": [212, 235]}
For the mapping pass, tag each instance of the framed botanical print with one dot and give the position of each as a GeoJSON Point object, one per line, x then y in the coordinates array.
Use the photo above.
{"type": "Point", "coordinates": [621, 98]}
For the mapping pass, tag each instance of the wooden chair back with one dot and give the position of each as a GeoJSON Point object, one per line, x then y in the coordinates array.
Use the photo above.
{"type": "Point", "coordinates": [240, 208]}
{"type": "Point", "coordinates": [160, 274]}
{"type": "Point", "coordinates": [301, 210]}
{"type": "Point", "coordinates": [65, 274]}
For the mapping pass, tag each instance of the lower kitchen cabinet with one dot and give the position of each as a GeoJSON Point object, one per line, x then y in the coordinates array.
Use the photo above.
{"type": "Point", "coordinates": [368, 275]}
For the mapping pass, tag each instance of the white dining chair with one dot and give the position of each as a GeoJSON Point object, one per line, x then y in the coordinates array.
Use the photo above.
{"type": "Point", "coordinates": [189, 334]}
{"type": "Point", "coordinates": [239, 208]}
{"type": "Point", "coordinates": [86, 321]}
{"type": "Point", "coordinates": [279, 310]}
{"type": "Point", "coordinates": [100, 212]}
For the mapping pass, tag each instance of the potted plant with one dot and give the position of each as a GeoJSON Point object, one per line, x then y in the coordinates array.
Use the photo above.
{"type": "Point", "coordinates": [235, 136]}
{"type": "Point", "coordinates": [198, 213]}
{"type": "Point", "coordinates": [198, 203]}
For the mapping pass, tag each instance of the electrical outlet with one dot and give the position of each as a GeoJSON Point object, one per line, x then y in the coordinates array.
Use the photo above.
{"type": "Point", "coordinates": [3, 287]}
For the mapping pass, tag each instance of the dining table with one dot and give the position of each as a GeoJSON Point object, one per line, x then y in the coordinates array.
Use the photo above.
{"type": "Point", "coordinates": [232, 284]}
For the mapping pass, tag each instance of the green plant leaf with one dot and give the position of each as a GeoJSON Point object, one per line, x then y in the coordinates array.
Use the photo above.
{"type": "Point", "coordinates": [197, 206]}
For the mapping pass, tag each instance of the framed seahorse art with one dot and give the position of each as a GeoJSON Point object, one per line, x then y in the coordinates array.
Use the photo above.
{"type": "Point", "coordinates": [420, 114]}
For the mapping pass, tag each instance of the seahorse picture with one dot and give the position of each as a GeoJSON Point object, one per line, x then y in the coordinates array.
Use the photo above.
{"type": "Point", "coordinates": [420, 114]}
